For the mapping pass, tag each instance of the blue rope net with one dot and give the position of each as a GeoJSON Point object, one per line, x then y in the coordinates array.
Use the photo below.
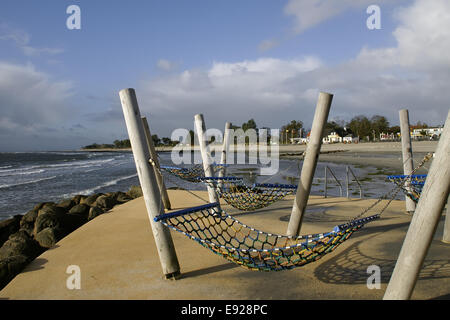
{"type": "Point", "coordinates": [191, 174]}
{"type": "Point", "coordinates": [248, 198]}
{"type": "Point", "coordinates": [411, 185]}
{"type": "Point", "coordinates": [224, 235]}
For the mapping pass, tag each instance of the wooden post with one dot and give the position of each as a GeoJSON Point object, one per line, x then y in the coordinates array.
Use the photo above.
{"type": "Point", "coordinates": [309, 163]}
{"type": "Point", "coordinates": [424, 222]}
{"type": "Point", "coordinates": [223, 156]}
{"type": "Point", "coordinates": [225, 146]}
{"type": "Point", "coordinates": [446, 236]}
{"type": "Point", "coordinates": [147, 179]}
{"type": "Point", "coordinates": [154, 157]}
{"type": "Point", "coordinates": [407, 156]}
{"type": "Point", "coordinates": [206, 159]}
{"type": "Point", "coordinates": [347, 182]}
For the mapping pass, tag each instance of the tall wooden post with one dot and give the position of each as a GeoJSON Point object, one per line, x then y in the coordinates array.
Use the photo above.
{"type": "Point", "coordinates": [446, 236]}
{"type": "Point", "coordinates": [156, 166]}
{"type": "Point", "coordinates": [147, 179]}
{"type": "Point", "coordinates": [206, 159]}
{"type": "Point", "coordinates": [424, 222]}
{"type": "Point", "coordinates": [309, 163]}
{"type": "Point", "coordinates": [408, 165]}
{"type": "Point", "coordinates": [223, 156]}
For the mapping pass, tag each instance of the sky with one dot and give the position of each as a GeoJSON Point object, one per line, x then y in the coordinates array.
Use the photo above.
{"type": "Point", "coordinates": [229, 60]}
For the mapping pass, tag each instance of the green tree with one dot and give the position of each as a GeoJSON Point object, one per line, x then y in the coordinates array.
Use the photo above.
{"type": "Point", "coordinates": [360, 126]}
{"type": "Point", "coordinates": [379, 124]}
{"type": "Point", "coordinates": [156, 140]}
{"type": "Point", "coordinates": [292, 129]}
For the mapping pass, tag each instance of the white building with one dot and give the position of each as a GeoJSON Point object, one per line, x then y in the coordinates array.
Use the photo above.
{"type": "Point", "coordinates": [333, 137]}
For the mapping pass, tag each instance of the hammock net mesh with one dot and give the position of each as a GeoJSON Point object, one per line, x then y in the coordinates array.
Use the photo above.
{"type": "Point", "coordinates": [219, 232]}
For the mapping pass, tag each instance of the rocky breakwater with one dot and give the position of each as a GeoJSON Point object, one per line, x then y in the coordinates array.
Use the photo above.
{"type": "Point", "coordinates": [25, 237]}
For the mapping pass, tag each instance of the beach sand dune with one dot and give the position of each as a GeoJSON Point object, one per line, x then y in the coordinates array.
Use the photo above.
{"type": "Point", "coordinates": [118, 260]}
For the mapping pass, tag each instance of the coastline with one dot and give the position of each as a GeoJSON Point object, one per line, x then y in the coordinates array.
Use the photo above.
{"type": "Point", "coordinates": [374, 154]}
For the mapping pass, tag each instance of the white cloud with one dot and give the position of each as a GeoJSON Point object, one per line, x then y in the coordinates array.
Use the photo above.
{"type": "Point", "coordinates": [30, 101]}
{"type": "Point", "coordinates": [165, 65]}
{"type": "Point", "coordinates": [310, 13]}
{"type": "Point", "coordinates": [22, 40]}
{"type": "Point", "coordinates": [413, 74]}
{"type": "Point", "coordinates": [267, 45]}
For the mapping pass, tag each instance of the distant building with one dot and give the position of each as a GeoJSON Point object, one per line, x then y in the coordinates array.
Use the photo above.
{"type": "Point", "coordinates": [333, 137]}
{"type": "Point", "coordinates": [388, 136]}
{"type": "Point", "coordinates": [350, 139]}
{"type": "Point", "coordinates": [427, 133]}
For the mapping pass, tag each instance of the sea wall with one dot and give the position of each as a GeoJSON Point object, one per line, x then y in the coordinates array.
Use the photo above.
{"type": "Point", "coordinates": [24, 237]}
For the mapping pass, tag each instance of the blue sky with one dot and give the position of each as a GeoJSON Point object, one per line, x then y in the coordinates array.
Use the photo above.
{"type": "Point", "coordinates": [230, 60]}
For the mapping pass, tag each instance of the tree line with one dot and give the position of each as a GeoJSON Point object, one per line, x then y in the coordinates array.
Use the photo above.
{"type": "Point", "coordinates": [359, 126]}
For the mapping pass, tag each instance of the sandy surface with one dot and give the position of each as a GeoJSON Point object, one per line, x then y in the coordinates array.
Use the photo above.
{"type": "Point", "coordinates": [117, 258]}
{"type": "Point", "coordinates": [380, 154]}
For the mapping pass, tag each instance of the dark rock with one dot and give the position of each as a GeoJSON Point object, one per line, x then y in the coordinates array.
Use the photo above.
{"type": "Point", "coordinates": [39, 206]}
{"type": "Point", "coordinates": [45, 220]}
{"type": "Point", "coordinates": [52, 209]}
{"type": "Point", "coordinates": [8, 227]}
{"type": "Point", "coordinates": [20, 243]}
{"type": "Point", "coordinates": [105, 202]}
{"type": "Point", "coordinates": [135, 192]}
{"type": "Point", "coordinates": [91, 199]}
{"type": "Point", "coordinates": [66, 204]}
{"type": "Point", "coordinates": [70, 222]}
{"type": "Point", "coordinates": [48, 237]}
{"type": "Point", "coordinates": [10, 267]}
{"type": "Point", "coordinates": [122, 197]}
{"type": "Point", "coordinates": [78, 198]}
{"type": "Point", "coordinates": [28, 220]}
{"type": "Point", "coordinates": [94, 212]}
{"type": "Point", "coordinates": [81, 209]}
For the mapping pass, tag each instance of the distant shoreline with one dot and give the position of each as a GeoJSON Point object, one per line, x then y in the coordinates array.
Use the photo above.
{"type": "Point", "coordinates": [375, 154]}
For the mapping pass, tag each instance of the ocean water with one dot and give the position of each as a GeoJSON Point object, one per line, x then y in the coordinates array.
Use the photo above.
{"type": "Point", "coordinates": [29, 178]}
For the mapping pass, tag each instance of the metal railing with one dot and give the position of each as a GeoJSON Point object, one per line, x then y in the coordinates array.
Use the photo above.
{"type": "Point", "coordinates": [347, 180]}
{"type": "Point", "coordinates": [348, 172]}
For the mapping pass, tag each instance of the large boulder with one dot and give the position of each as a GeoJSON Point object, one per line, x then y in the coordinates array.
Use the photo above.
{"type": "Point", "coordinates": [70, 222]}
{"type": "Point", "coordinates": [105, 201]}
{"type": "Point", "coordinates": [122, 197]}
{"type": "Point", "coordinates": [78, 198]}
{"type": "Point", "coordinates": [28, 220]}
{"type": "Point", "coordinates": [8, 227]}
{"type": "Point", "coordinates": [94, 212]}
{"type": "Point", "coordinates": [45, 220]}
{"type": "Point", "coordinates": [40, 205]}
{"type": "Point", "coordinates": [81, 209]}
{"type": "Point", "coordinates": [66, 204]}
{"type": "Point", "coordinates": [48, 237]}
{"type": "Point", "coordinates": [91, 199]}
{"type": "Point", "coordinates": [51, 209]}
{"type": "Point", "coordinates": [20, 243]}
{"type": "Point", "coordinates": [10, 267]}
{"type": "Point", "coordinates": [135, 192]}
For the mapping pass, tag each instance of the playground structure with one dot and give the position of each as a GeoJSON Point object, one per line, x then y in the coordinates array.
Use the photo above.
{"type": "Point", "coordinates": [435, 192]}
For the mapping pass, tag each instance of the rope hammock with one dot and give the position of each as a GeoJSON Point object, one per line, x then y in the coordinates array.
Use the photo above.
{"type": "Point", "coordinates": [411, 185]}
{"type": "Point", "coordinates": [224, 235]}
{"type": "Point", "coordinates": [190, 174]}
{"type": "Point", "coordinates": [250, 248]}
{"type": "Point", "coordinates": [248, 198]}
